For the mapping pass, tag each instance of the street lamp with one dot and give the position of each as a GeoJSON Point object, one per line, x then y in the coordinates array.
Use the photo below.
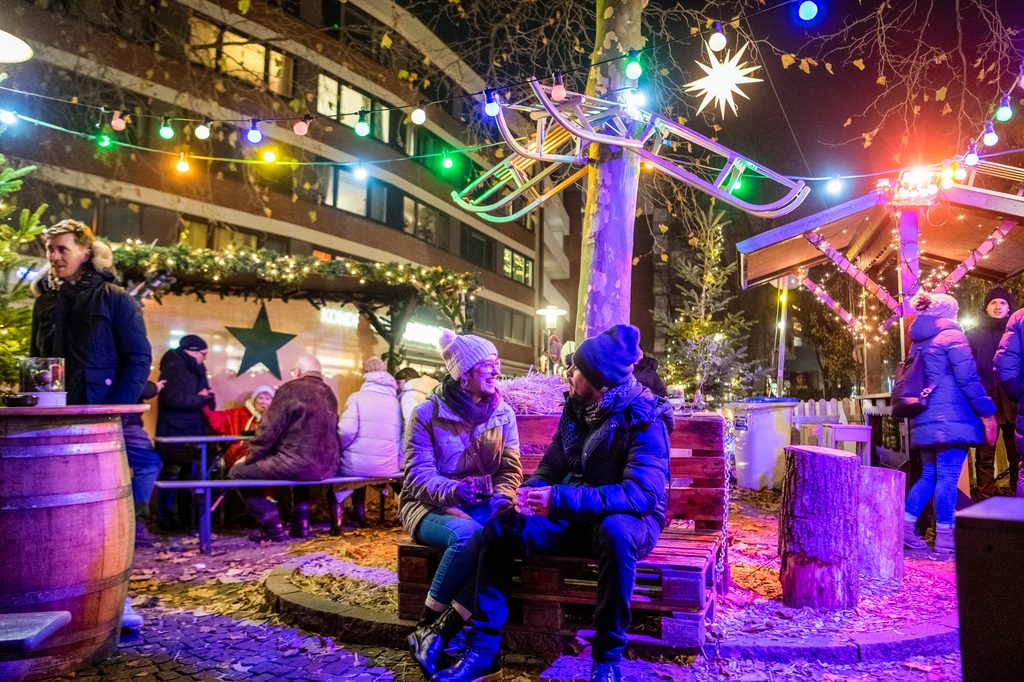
{"type": "Point", "coordinates": [13, 49]}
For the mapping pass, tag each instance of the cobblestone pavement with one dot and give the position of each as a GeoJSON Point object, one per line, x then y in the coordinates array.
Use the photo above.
{"type": "Point", "coordinates": [206, 619]}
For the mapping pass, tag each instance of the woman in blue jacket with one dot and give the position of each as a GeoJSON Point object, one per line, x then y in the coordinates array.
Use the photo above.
{"type": "Point", "coordinates": [958, 415]}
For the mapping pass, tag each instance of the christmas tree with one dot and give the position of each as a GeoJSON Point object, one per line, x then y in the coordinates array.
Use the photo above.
{"type": "Point", "coordinates": [706, 343]}
{"type": "Point", "coordinates": [15, 296]}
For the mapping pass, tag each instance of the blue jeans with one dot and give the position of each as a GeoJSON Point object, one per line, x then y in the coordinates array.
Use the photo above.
{"type": "Point", "coordinates": [618, 541]}
{"type": "Point", "coordinates": [455, 579]}
{"type": "Point", "coordinates": [145, 464]}
{"type": "Point", "coordinates": [940, 471]}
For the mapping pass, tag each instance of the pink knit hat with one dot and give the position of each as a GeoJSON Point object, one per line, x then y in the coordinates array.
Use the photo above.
{"type": "Point", "coordinates": [935, 305]}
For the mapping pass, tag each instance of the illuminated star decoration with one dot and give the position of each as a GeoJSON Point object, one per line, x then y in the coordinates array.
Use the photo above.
{"type": "Point", "coordinates": [722, 80]}
{"type": "Point", "coordinates": [261, 343]}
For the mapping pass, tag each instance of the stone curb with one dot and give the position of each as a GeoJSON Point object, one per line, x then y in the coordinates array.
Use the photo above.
{"type": "Point", "coordinates": [348, 623]}
{"type": "Point", "coordinates": [363, 626]}
{"type": "Point", "coordinates": [926, 639]}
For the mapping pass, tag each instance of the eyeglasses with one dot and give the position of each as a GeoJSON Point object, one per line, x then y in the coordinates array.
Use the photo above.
{"type": "Point", "coordinates": [567, 372]}
{"type": "Point", "coordinates": [492, 367]}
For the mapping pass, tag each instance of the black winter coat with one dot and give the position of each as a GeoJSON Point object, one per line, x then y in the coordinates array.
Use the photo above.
{"type": "Point", "coordinates": [984, 340]}
{"type": "Point", "coordinates": [618, 466]}
{"type": "Point", "coordinates": [646, 372]}
{"type": "Point", "coordinates": [181, 406]}
{"type": "Point", "coordinates": [99, 331]}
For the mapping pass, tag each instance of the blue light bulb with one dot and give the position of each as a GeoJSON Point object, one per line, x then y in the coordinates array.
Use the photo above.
{"type": "Point", "coordinates": [808, 10]}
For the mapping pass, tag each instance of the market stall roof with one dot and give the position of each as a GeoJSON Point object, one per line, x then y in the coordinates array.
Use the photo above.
{"type": "Point", "coordinates": [960, 218]}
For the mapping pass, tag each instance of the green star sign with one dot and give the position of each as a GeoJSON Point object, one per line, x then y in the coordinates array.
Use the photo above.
{"type": "Point", "coordinates": [261, 344]}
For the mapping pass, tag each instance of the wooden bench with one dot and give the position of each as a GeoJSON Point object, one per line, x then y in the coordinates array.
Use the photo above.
{"type": "Point", "coordinates": [21, 632]}
{"type": "Point", "coordinates": [676, 585]}
{"type": "Point", "coordinates": [341, 487]}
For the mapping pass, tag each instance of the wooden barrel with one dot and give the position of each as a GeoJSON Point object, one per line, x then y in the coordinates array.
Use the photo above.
{"type": "Point", "coordinates": [67, 530]}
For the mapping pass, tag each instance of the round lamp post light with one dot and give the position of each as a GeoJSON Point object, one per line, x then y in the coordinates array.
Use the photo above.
{"type": "Point", "coordinates": [13, 50]}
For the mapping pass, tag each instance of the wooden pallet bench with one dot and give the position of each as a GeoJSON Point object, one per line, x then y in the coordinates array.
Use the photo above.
{"type": "Point", "coordinates": [676, 585]}
{"type": "Point", "coordinates": [341, 487]}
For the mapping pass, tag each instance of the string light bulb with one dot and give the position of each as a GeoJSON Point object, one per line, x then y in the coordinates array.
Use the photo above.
{"type": "Point", "coordinates": [808, 10]}
{"type": "Point", "coordinates": [166, 131]}
{"type": "Point", "coordinates": [633, 67]}
{"type": "Point", "coordinates": [971, 158]}
{"type": "Point", "coordinates": [202, 131]}
{"type": "Point", "coordinates": [301, 127]}
{"type": "Point", "coordinates": [959, 172]}
{"type": "Point", "coordinates": [104, 141]}
{"type": "Point", "coordinates": [1005, 112]}
{"type": "Point", "coordinates": [8, 117]}
{"type": "Point", "coordinates": [359, 171]}
{"type": "Point", "coordinates": [491, 108]}
{"type": "Point", "coordinates": [117, 123]}
{"type": "Point", "coordinates": [270, 156]}
{"type": "Point", "coordinates": [182, 166]}
{"type": "Point", "coordinates": [558, 88]}
{"type": "Point", "coordinates": [419, 115]}
{"type": "Point", "coordinates": [446, 161]}
{"type": "Point", "coordinates": [990, 138]}
{"type": "Point", "coordinates": [253, 134]}
{"type": "Point", "coordinates": [362, 127]}
{"type": "Point", "coordinates": [834, 185]}
{"type": "Point", "coordinates": [717, 40]}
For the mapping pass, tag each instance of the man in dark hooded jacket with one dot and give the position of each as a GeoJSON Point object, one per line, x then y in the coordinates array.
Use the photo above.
{"type": "Point", "coordinates": [181, 403]}
{"type": "Point", "coordinates": [599, 491]}
{"type": "Point", "coordinates": [984, 340]}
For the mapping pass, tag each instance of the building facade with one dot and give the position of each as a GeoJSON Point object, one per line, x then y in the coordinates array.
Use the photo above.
{"type": "Point", "coordinates": [381, 197]}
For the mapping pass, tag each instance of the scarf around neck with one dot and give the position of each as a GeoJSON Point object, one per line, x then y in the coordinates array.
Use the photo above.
{"type": "Point", "coordinates": [459, 401]}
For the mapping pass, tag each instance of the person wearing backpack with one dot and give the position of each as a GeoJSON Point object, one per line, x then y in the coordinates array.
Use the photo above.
{"type": "Point", "coordinates": [984, 340]}
{"type": "Point", "coordinates": [957, 414]}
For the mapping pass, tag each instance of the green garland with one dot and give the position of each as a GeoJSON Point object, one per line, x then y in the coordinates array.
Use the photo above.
{"type": "Point", "coordinates": [441, 290]}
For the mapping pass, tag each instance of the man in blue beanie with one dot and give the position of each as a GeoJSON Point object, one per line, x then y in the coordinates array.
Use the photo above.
{"type": "Point", "coordinates": [599, 492]}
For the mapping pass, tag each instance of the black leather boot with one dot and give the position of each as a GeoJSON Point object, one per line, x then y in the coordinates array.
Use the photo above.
{"type": "Point", "coordinates": [272, 531]}
{"type": "Point", "coordinates": [300, 520]}
{"type": "Point", "coordinates": [473, 667]}
{"type": "Point", "coordinates": [429, 639]}
{"type": "Point", "coordinates": [337, 518]}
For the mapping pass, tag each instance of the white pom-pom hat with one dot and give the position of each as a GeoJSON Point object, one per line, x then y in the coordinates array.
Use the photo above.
{"type": "Point", "coordinates": [463, 353]}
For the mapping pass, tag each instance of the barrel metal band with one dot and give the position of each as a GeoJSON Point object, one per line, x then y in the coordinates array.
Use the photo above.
{"type": "Point", "coordinates": [32, 451]}
{"type": "Point", "coordinates": [64, 499]}
{"type": "Point", "coordinates": [67, 592]}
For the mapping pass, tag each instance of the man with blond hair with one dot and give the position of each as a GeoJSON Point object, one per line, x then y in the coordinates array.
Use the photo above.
{"type": "Point", "coordinates": [97, 327]}
{"type": "Point", "coordinates": [298, 440]}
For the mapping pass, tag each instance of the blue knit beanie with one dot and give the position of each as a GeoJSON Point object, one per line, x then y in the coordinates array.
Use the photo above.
{"type": "Point", "coordinates": [607, 359]}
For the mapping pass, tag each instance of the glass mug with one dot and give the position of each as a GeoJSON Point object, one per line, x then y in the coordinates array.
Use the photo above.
{"type": "Point", "coordinates": [483, 486]}
{"type": "Point", "coordinates": [41, 375]}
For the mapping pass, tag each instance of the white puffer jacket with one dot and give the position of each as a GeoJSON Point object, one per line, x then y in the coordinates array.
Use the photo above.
{"type": "Point", "coordinates": [371, 429]}
{"type": "Point", "coordinates": [414, 392]}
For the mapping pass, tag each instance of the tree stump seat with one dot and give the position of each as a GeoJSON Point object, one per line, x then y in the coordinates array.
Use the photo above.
{"type": "Point", "coordinates": [676, 585]}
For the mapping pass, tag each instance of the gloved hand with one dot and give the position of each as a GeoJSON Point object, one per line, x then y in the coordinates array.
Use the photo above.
{"type": "Point", "coordinates": [501, 504]}
{"type": "Point", "coordinates": [466, 491]}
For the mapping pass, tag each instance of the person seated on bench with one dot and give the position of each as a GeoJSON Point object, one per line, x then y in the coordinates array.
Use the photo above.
{"type": "Point", "coordinates": [298, 440]}
{"type": "Point", "coordinates": [461, 446]}
{"type": "Point", "coordinates": [371, 432]}
{"type": "Point", "coordinates": [239, 421]}
{"type": "Point", "coordinates": [599, 491]}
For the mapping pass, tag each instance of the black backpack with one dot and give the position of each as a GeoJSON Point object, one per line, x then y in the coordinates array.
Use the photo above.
{"type": "Point", "coordinates": [910, 391]}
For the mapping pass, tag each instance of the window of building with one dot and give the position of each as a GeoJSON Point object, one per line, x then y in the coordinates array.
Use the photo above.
{"type": "Point", "coordinates": [477, 248]}
{"type": "Point", "coordinates": [238, 56]}
{"type": "Point", "coordinates": [223, 237]}
{"type": "Point", "coordinates": [485, 317]}
{"type": "Point", "coordinates": [425, 222]}
{"type": "Point", "coordinates": [379, 202]}
{"type": "Point", "coordinates": [516, 266]}
{"type": "Point", "coordinates": [343, 103]}
{"type": "Point", "coordinates": [518, 327]}
{"type": "Point", "coordinates": [326, 96]}
{"type": "Point", "coordinates": [345, 191]}
{"type": "Point", "coordinates": [194, 233]}
{"type": "Point", "coordinates": [121, 220]}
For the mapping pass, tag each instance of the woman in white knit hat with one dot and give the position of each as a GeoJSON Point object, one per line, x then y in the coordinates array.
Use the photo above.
{"type": "Point", "coordinates": [461, 467]}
